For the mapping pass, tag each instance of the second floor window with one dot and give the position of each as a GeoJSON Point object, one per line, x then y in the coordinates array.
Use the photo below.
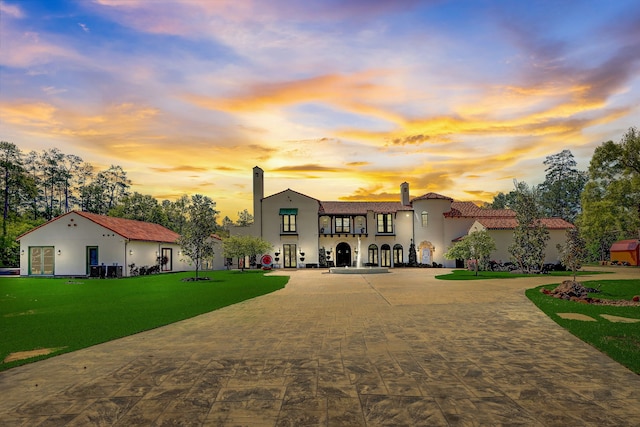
{"type": "Point", "coordinates": [288, 223]}
{"type": "Point", "coordinates": [425, 219]}
{"type": "Point", "coordinates": [385, 223]}
{"type": "Point", "coordinates": [342, 224]}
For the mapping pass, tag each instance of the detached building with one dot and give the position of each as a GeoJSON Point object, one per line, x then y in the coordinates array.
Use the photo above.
{"type": "Point", "coordinates": [86, 244]}
{"type": "Point", "coordinates": [303, 229]}
{"type": "Point", "coordinates": [626, 251]}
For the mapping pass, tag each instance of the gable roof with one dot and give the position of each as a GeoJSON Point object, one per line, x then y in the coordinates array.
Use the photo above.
{"type": "Point", "coordinates": [288, 190]}
{"type": "Point", "coordinates": [431, 196]}
{"type": "Point", "coordinates": [510, 223]}
{"type": "Point", "coordinates": [127, 228]}
{"type": "Point", "coordinates": [361, 208]}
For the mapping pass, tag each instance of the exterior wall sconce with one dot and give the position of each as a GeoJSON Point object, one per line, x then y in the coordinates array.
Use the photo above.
{"type": "Point", "coordinates": [130, 251]}
{"type": "Point", "coordinates": [59, 252]}
{"type": "Point", "coordinates": [22, 252]}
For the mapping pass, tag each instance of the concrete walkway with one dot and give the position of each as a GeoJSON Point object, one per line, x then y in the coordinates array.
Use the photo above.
{"type": "Point", "coordinates": [339, 350]}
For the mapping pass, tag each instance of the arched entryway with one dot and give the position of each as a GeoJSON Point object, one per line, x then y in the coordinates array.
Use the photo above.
{"type": "Point", "coordinates": [343, 255]}
{"type": "Point", "coordinates": [385, 256]}
{"type": "Point", "coordinates": [426, 252]}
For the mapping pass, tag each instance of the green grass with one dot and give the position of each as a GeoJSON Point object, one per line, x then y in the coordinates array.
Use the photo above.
{"type": "Point", "coordinates": [620, 341]}
{"type": "Point", "coordinates": [40, 313]}
{"type": "Point", "coordinates": [484, 275]}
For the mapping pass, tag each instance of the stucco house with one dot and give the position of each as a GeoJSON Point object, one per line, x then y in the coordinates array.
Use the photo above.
{"type": "Point", "coordinates": [86, 244]}
{"type": "Point", "coordinates": [303, 230]}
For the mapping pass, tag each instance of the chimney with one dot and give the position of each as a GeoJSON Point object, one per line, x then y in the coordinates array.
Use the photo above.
{"type": "Point", "coordinates": [404, 193]}
{"type": "Point", "coordinates": [258, 195]}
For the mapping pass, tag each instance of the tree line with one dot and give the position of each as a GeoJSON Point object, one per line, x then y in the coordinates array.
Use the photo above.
{"type": "Point", "coordinates": [39, 186]}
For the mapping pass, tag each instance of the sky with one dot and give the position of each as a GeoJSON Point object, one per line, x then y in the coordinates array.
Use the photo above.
{"type": "Point", "coordinates": [339, 100]}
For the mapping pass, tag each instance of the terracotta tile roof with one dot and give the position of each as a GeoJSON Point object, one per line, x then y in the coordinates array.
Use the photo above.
{"type": "Point", "coordinates": [361, 208]}
{"type": "Point", "coordinates": [471, 210]}
{"type": "Point", "coordinates": [133, 230]}
{"type": "Point", "coordinates": [431, 196]}
{"type": "Point", "coordinates": [509, 223]}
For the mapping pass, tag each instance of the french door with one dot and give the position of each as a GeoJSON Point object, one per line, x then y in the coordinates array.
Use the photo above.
{"type": "Point", "coordinates": [289, 256]}
{"type": "Point", "coordinates": [41, 261]}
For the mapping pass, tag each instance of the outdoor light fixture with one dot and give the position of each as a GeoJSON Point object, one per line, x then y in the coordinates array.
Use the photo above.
{"type": "Point", "coordinates": [59, 251]}
{"type": "Point", "coordinates": [130, 251]}
{"type": "Point", "coordinates": [22, 252]}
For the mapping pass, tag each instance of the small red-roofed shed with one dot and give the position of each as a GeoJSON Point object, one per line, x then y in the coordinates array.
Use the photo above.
{"type": "Point", "coordinates": [626, 251]}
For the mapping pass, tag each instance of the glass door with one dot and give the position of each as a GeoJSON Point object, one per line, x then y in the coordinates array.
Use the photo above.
{"type": "Point", "coordinates": [92, 258]}
{"type": "Point", "coordinates": [41, 261]}
{"type": "Point", "coordinates": [289, 255]}
{"type": "Point", "coordinates": [167, 259]}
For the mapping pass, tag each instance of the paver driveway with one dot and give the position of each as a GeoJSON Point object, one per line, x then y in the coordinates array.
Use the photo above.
{"type": "Point", "coordinates": [391, 349]}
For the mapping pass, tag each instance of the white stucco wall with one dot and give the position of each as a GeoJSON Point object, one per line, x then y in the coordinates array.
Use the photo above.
{"type": "Point", "coordinates": [306, 235]}
{"type": "Point", "coordinates": [71, 235]}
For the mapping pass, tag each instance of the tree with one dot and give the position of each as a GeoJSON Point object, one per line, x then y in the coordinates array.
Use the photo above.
{"type": "Point", "coordinates": [196, 241]}
{"type": "Point", "coordinates": [140, 207]}
{"type": "Point", "coordinates": [476, 246]}
{"type": "Point", "coordinates": [244, 246]}
{"type": "Point", "coordinates": [10, 173]}
{"type": "Point", "coordinates": [244, 218]}
{"type": "Point", "coordinates": [574, 252]}
{"type": "Point", "coordinates": [611, 198]}
{"type": "Point", "coordinates": [503, 201]}
{"type": "Point", "coordinates": [561, 189]}
{"type": "Point", "coordinates": [530, 235]}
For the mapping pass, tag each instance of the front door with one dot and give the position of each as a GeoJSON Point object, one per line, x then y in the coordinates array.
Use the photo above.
{"type": "Point", "coordinates": [343, 255]}
{"type": "Point", "coordinates": [92, 258]}
{"type": "Point", "coordinates": [166, 262]}
{"type": "Point", "coordinates": [426, 256]}
{"type": "Point", "coordinates": [289, 256]}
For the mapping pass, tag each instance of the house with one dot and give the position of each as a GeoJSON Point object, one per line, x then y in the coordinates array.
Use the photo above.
{"type": "Point", "coordinates": [307, 232]}
{"type": "Point", "coordinates": [87, 244]}
{"type": "Point", "coordinates": [626, 251]}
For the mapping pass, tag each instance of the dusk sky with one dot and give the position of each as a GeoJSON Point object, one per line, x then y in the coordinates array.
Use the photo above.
{"type": "Point", "coordinates": [339, 100]}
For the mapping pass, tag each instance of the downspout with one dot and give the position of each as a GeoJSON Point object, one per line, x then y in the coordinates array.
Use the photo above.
{"type": "Point", "coordinates": [126, 263]}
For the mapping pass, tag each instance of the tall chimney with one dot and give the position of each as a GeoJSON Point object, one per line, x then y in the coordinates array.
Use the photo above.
{"type": "Point", "coordinates": [258, 195]}
{"type": "Point", "coordinates": [404, 193]}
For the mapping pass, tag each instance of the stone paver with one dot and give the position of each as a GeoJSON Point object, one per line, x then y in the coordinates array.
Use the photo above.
{"type": "Point", "coordinates": [339, 350]}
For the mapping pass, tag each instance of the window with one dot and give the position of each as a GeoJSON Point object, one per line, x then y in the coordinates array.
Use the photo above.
{"type": "Point", "coordinates": [325, 224]}
{"type": "Point", "coordinates": [397, 254]}
{"type": "Point", "coordinates": [41, 261]}
{"type": "Point", "coordinates": [343, 224]}
{"type": "Point", "coordinates": [385, 256]}
{"type": "Point", "coordinates": [373, 255]}
{"type": "Point", "coordinates": [289, 219]}
{"type": "Point", "coordinates": [360, 225]}
{"type": "Point", "coordinates": [385, 223]}
{"type": "Point", "coordinates": [425, 218]}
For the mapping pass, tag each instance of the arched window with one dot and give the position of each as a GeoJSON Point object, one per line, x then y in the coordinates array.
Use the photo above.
{"type": "Point", "coordinates": [385, 255]}
{"type": "Point", "coordinates": [398, 256]}
{"type": "Point", "coordinates": [425, 218]}
{"type": "Point", "coordinates": [373, 255]}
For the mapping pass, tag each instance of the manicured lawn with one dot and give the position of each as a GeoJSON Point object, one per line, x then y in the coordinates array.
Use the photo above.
{"type": "Point", "coordinates": [621, 341]}
{"type": "Point", "coordinates": [41, 313]}
{"type": "Point", "coordinates": [483, 275]}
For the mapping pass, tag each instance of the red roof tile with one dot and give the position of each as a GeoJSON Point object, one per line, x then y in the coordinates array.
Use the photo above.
{"type": "Point", "coordinates": [509, 223]}
{"type": "Point", "coordinates": [471, 210]}
{"type": "Point", "coordinates": [133, 230]}
{"type": "Point", "coordinates": [361, 208]}
{"type": "Point", "coordinates": [127, 228]}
